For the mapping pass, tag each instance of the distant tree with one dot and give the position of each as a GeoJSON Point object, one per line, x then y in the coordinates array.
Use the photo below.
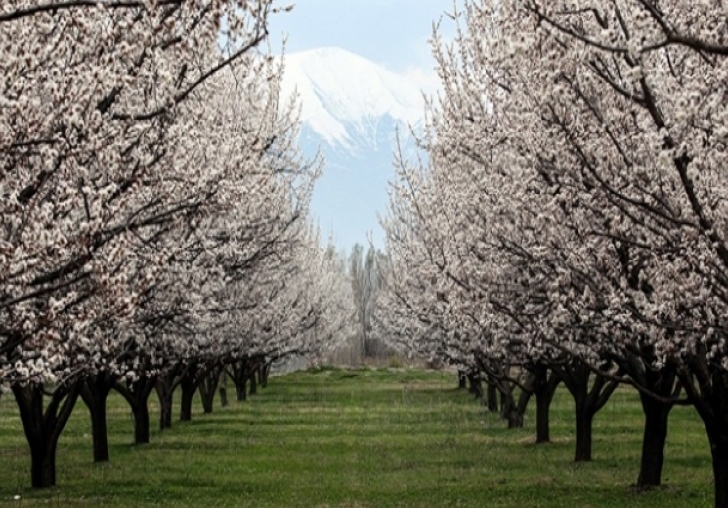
{"type": "Point", "coordinates": [365, 270]}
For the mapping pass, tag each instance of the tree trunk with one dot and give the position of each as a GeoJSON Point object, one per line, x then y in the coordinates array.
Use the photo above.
{"type": "Point", "coordinates": [584, 422]}
{"type": "Point", "coordinates": [241, 393]}
{"type": "Point", "coordinates": [207, 388]}
{"type": "Point", "coordinates": [544, 390]}
{"type": "Point", "coordinates": [188, 386]}
{"type": "Point", "coordinates": [137, 394]}
{"type": "Point", "coordinates": [238, 376]}
{"type": "Point", "coordinates": [43, 464]}
{"type": "Point", "coordinates": [95, 393]}
{"type": "Point", "coordinates": [719, 454]}
{"type": "Point", "coordinates": [462, 380]}
{"type": "Point", "coordinates": [43, 428]}
{"type": "Point", "coordinates": [509, 409]}
{"type": "Point", "coordinates": [165, 393]}
{"type": "Point", "coordinates": [259, 372]}
{"type": "Point", "coordinates": [706, 385]}
{"type": "Point", "coordinates": [223, 389]}
{"type": "Point", "coordinates": [492, 398]}
{"type": "Point", "coordinates": [265, 373]}
{"type": "Point", "coordinates": [141, 423]}
{"type": "Point", "coordinates": [589, 398]}
{"type": "Point", "coordinates": [653, 441]}
{"type": "Point", "coordinates": [476, 385]}
{"type": "Point", "coordinates": [253, 383]}
{"type": "Point", "coordinates": [543, 406]}
{"type": "Point", "coordinates": [515, 420]}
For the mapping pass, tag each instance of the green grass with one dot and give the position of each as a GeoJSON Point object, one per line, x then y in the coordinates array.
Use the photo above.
{"type": "Point", "coordinates": [360, 439]}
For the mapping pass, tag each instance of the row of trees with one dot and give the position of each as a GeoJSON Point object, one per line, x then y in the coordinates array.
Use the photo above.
{"type": "Point", "coordinates": [154, 227]}
{"type": "Point", "coordinates": [572, 223]}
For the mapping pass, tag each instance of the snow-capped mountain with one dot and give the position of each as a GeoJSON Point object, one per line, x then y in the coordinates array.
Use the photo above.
{"type": "Point", "coordinates": [351, 110]}
{"type": "Point", "coordinates": [347, 100]}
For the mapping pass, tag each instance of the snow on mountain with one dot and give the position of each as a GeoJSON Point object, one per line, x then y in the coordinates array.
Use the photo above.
{"type": "Point", "coordinates": [351, 112]}
{"type": "Point", "coordinates": [347, 100]}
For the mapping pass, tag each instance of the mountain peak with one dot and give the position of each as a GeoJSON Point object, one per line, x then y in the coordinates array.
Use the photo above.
{"type": "Point", "coordinates": [342, 93]}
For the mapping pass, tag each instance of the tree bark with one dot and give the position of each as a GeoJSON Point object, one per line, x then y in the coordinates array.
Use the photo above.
{"type": "Point", "coordinates": [223, 389]}
{"type": "Point", "coordinates": [509, 409]}
{"type": "Point", "coordinates": [653, 441]}
{"type": "Point", "coordinates": [241, 391]}
{"type": "Point", "coordinates": [137, 393]}
{"type": "Point", "coordinates": [95, 393]}
{"type": "Point", "coordinates": [707, 388]}
{"type": "Point", "coordinates": [588, 400]}
{"type": "Point", "coordinates": [43, 427]}
{"type": "Point", "coordinates": [141, 423]}
{"type": "Point", "coordinates": [584, 422]}
{"type": "Point", "coordinates": [544, 390]}
{"type": "Point", "coordinates": [165, 387]}
{"type": "Point", "coordinates": [492, 398]}
{"type": "Point", "coordinates": [476, 385]}
{"type": "Point", "coordinates": [719, 454]}
{"type": "Point", "coordinates": [208, 387]}
{"type": "Point", "coordinates": [462, 380]}
{"type": "Point", "coordinates": [265, 373]}
{"type": "Point", "coordinates": [253, 383]}
{"type": "Point", "coordinates": [165, 409]}
{"type": "Point", "coordinates": [188, 387]}
{"type": "Point", "coordinates": [239, 377]}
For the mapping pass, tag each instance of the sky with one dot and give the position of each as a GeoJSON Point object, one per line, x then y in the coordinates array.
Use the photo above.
{"type": "Point", "coordinates": [392, 33]}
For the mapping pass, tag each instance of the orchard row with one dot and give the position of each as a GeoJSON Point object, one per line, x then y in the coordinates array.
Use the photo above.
{"type": "Point", "coordinates": [572, 224]}
{"type": "Point", "coordinates": [154, 225]}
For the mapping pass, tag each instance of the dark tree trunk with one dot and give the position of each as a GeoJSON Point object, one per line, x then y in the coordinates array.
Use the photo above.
{"type": "Point", "coordinates": [462, 380]}
{"type": "Point", "coordinates": [259, 373]}
{"type": "Point", "coordinates": [188, 387]}
{"type": "Point", "coordinates": [492, 398]}
{"type": "Point", "coordinates": [253, 383]}
{"type": "Point", "coordinates": [544, 390]}
{"type": "Point", "coordinates": [43, 427]}
{"type": "Point", "coordinates": [509, 410]}
{"type": "Point", "coordinates": [208, 387]}
{"type": "Point", "coordinates": [241, 391]}
{"type": "Point", "coordinates": [515, 420]}
{"type": "Point", "coordinates": [707, 388]}
{"type": "Point", "coordinates": [165, 387]}
{"type": "Point", "coordinates": [719, 453]}
{"type": "Point", "coordinates": [663, 383]}
{"type": "Point", "coordinates": [95, 393]}
{"type": "Point", "coordinates": [223, 389]}
{"type": "Point", "coordinates": [239, 375]}
{"type": "Point", "coordinates": [264, 373]}
{"type": "Point", "coordinates": [141, 423]}
{"type": "Point", "coordinates": [165, 410]}
{"type": "Point", "coordinates": [588, 400]}
{"type": "Point", "coordinates": [543, 429]}
{"type": "Point", "coordinates": [476, 385]}
{"type": "Point", "coordinates": [137, 394]}
{"type": "Point", "coordinates": [584, 422]}
{"type": "Point", "coordinates": [653, 441]}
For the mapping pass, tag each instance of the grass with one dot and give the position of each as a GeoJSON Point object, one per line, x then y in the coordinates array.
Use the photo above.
{"type": "Point", "coordinates": [363, 438]}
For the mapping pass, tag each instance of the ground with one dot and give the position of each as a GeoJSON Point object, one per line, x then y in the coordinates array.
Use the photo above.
{"type": "Point", "coordinates": [360, 438]}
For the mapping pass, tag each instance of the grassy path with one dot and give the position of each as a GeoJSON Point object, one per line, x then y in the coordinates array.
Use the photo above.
{"type": "Point", "coordinates": [360, 439]}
